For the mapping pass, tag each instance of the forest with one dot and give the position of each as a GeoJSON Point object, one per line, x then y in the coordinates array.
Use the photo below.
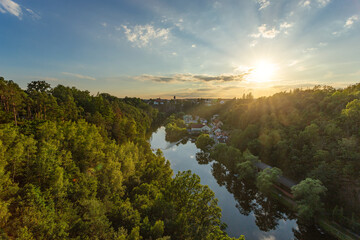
{"type": "Point", "coordinates": [79, 166]}
{"type": "Point", "coordinates": [305, 134]}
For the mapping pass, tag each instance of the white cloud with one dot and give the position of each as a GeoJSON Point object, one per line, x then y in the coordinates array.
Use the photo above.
{"type": "Point", "coordinates": [320, 3]}
{"type": "Point", "coordinates": [193, 46]}
{"type": "Point", "coordinates": [141, 35]}
{"type": "Point", "coordinates": [79, 76]}
{"type": "Point", "coordinates": [286, 25]}
{"type": "Point", "coordinates": [104, 24]}
{"type": "Point", "coordinates": [305, 3]}
{"type": "Point", "coordinates": [351, 20]}
{"type": "Point", "coordinates": [347, 26]}
{"type": "Point", "coordinates": [323, 3]}
{"type": "Point", "coordinates": [10, 7]}
{"type": "Point", "coordinates": [271, 237]}
{"type": "Point", "coordinates": [263, 4]}
{"type": "Point", "coordinates": [265, 33]}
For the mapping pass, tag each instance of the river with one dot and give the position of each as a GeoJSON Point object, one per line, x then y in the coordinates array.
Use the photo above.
{"type": "Point", "coordinates": [244, 210]}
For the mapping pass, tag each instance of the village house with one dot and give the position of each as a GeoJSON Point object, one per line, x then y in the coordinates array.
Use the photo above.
{"type": "Point", "coordinates": [203, 121]}
{"type": "Point", "coordinates": [218, 123]}
{"type": "Point", "coordinates": [217, 131]}
{"type": "Point", "coordinates": [200, 128]}
{"type": "Point", "coordinates": [158, 101]}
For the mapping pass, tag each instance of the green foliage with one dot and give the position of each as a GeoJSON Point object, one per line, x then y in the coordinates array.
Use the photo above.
{"type": "Point", "coordinates": [227, 155]}
{"type": "Point", "coordinates": [267, 178]}
{"type": "Point", "coordinates": [12, 100]}
{"type": "Point", "coordinates": [193, 210]}
{"type": "Point", "coordinates": [204, 142]}
{"type": "Point", "coordinates": [157, 230]}
{"type": "Point", "coordinates": [175, 129]}
{"type": "Point", "coordinates": [122, 119]}
{"type": "Point", "coordinates": [306, 133]}
{"type": "Point", "coordinates": [246, 169]}
{"type": "Point", "coordinates": [308, 197]}
{"type": "Point", "coordinates": [79, 167]}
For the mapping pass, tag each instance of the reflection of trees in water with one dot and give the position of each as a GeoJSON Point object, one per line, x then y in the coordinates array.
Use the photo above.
{"type": "Point", "coordinates": [244, 194]}
{"type": "Point", "coordinates": [305, 231]}
{"type": "Point", "coordinates": [219, 172]}
{"type": "Point", "coordinates": [183, 141]}
{"type": "Point", "coordinates": [266, 211]}
{"type": "Point", "coordinates": [203, 158]}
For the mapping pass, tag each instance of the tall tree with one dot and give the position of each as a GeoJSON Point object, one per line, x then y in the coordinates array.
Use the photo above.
{"type": "Point", "coordinates": [308, 195]}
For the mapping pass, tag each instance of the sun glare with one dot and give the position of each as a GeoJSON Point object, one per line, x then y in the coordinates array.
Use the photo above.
{"type": "Point", "coordinates": [263, 71]}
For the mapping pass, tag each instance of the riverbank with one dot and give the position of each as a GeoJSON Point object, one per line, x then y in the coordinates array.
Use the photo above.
{"type": "Point", "coordinates": [244, 209]}
{"type": "Point", "coordinates": [328, 226]}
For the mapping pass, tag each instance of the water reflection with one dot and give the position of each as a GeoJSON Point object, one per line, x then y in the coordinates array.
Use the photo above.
{"type": "Point", "coordinates": [267, 212]}
{"type": "Point", "coordinates": [203, 158]}
{"type": "Point", "coordinates": [244, 209]}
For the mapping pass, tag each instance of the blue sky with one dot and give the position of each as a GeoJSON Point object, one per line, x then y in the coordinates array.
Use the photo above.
{"type": "Point", "coordinates": [185, 48]}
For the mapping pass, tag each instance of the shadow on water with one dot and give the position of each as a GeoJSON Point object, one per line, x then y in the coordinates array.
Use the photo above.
{"type": "Point", "coordinates": [244, 209]}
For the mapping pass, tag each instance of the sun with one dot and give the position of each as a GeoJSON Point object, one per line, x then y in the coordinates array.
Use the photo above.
{"type": "Point", "coordinates": [263, 71]}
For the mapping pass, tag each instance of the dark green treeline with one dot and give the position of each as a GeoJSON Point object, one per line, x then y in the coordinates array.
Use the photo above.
{"type": "Point", "coordinates": [76, 166]}
{"type": "Point", "coordinates": [307, 133]}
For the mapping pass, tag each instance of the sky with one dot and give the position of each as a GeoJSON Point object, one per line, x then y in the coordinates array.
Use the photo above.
{"type": "Point", "coordinates": [182, 48]}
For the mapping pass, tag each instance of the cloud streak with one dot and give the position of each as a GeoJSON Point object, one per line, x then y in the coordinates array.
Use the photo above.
{"type": "Point", "coordinates": [263, 4]}
{"type": "Point", "coordinates": [309, 3]}
{"type": "Point", "coordinates": [78, 76]}
{"type": "Point", "coordinates": [142, 35]}
{"type": "Point", "coordinates": [10, 7]}
{"type": "Point", "coordinates": [194, 78]}
{"type": "Point", "coordinates": [351, 20]}
{"type": "Point", "coordinates": [264, 32]}
{"type": "Point", "coordinates": [349, 23]}
{"type": "Point", "coordinates": [323, 3]}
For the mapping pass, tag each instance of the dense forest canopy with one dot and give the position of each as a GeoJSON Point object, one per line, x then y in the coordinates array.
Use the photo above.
{"type": "Point", "coordinates": [307, 133]}
{"type": "Point", "coordinates": [77, 166]}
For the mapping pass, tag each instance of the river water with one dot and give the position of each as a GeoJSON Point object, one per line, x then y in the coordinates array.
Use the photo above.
{"type": "Point", "coordinates": [244, 210]}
